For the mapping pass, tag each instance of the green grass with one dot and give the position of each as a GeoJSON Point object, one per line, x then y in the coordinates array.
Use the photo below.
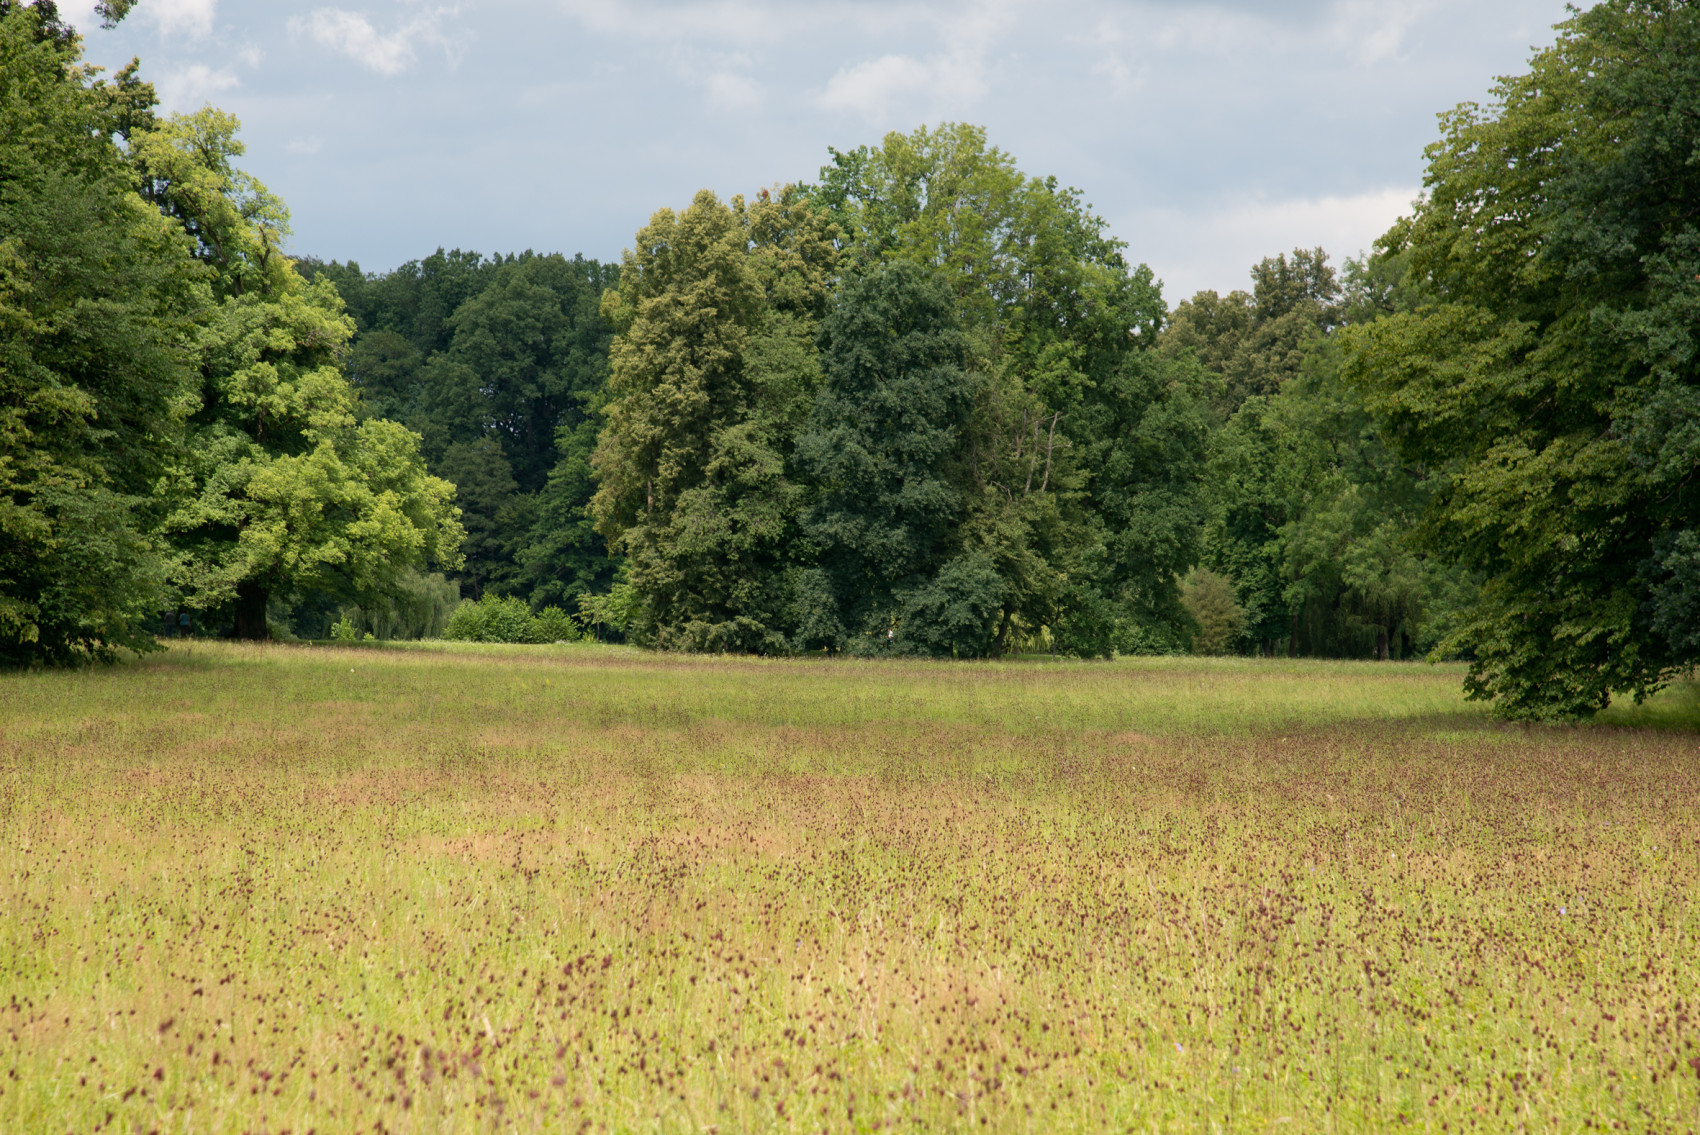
{"type": "Point", "coordinates": [459, 888]}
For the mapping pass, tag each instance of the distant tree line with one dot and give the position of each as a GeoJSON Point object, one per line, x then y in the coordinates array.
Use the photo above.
{"type": "Point", "coordinates": [926, 405]}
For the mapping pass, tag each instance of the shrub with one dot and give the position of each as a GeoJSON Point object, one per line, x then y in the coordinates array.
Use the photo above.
{"type": "Point", "coordinates": [554, 625]}
{"type": "Point", "coordinates": [498, 618]}
{"type": "Point", "coordinates": [1209, 599]}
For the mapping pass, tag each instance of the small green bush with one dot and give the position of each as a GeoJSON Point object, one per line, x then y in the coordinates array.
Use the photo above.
{"type": "Point", "coordinates": [554, 625]}
{"type": "Point", "coordinates": [1209, 599]}
{"type": "Point", "coordinates": [497, 618]}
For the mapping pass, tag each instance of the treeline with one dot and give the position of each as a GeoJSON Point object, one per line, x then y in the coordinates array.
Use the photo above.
{"type": "Point", "coordinates": [926, 405]}
{"type": "Point", "coordinates": [1112, 477]}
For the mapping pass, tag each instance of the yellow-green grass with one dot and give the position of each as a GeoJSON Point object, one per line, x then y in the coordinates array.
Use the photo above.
{"type": "Point", "coordinates": [267, 889]}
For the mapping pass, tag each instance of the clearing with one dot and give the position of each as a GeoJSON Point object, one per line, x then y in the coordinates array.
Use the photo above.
{"type": "Point", "coordinates": [456, 888]}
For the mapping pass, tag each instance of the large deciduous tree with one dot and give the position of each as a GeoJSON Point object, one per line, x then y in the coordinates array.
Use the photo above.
{"type": "Point", "coordinates": [1084, 450]}
{"type": "Point", "coordinates": [711, 369]}
{"type": "Point", "coordinates": [888, 447]}
{"type": "Point", "coordinates": [282, 485]}
{"type": "Point", "coordinates": [1554, 376]}
{"type": "Point", "coordinates": [96, 296]}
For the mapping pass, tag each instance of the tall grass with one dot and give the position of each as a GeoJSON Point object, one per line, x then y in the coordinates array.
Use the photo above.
{"type": "Point", "coordinates": [455, 888]}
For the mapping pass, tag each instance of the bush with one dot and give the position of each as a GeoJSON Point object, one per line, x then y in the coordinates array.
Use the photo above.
{"type": "Point", "coordinates": [554, 625]}
{"type": "Point", "coordinates": [1209, 599]}
{"type": "Point", "coordinates": [497, 618]}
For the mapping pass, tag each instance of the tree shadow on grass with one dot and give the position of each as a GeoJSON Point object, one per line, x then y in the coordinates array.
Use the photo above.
{"type": "Point", "coordinates": [1676, 707]}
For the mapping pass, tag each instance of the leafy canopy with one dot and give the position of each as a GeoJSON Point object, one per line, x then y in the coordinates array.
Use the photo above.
{"type": "Point", "coordinates": [1552, 375]}
{"type": "Point", "coordinates": [97, 292]}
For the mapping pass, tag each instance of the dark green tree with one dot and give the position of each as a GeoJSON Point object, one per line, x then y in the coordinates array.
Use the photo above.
{"type": "Point", "coordinates": [887, 448]}
{"type": "Point", "coordinates": [1552, 374]}
{"type": "Point", "coordinates": [97, 297]}
{"type": "Point", "coordinates": [1061, 496]}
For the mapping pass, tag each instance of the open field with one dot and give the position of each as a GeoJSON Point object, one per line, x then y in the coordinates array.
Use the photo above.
{"type": "Point", "coordinates": [267, 889]}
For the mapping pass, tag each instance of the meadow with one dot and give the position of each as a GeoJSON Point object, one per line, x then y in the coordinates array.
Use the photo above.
{"type": "Point", "coordinates": [267, 889]}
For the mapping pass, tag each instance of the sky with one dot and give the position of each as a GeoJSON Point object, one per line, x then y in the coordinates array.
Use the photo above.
{"type": "Point", "coordinates": [1208, 134]}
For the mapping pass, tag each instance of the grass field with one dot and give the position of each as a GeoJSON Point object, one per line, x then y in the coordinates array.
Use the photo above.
{"type": "Point", "coordinates": [268, 889]}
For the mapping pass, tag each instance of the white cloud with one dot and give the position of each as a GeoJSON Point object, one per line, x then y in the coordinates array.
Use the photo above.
{"type": "Point", "coordinates": [190, 18]}
{"type": "Point", "coordinates": [1374, 30]}
{"type": "Point", "coordinates": [187, 88]}
{"type": "Point", "coordinates": [733, 91]}
{"type": "Point", "coordinates": [869, 87]}
{"type": "Point", "coordinates": [946, 82]}
{"type": "Point", "coordinates": [740, 22]}
{"type": "Point", "coordinates": [1215, 245]}
{"type": "Point", "coordinates": [79, 13]}
{"type": "Point", "coordinates": [691, 36]}
{"type": "Point", "coordinates": [938, 84]}
{"type": "Point", "coordinates": [387, 53]}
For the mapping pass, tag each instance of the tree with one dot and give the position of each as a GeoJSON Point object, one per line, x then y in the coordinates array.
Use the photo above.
{"type": "Point", "coordinates": [711, 372]}
{"type": "Point", "coordinates": [500, 364]}
{"type": "Point", "coordinates": [1067, 415]}
{"type": "Point", "coordinates": [1552, 373]}
{"type": "Point", "coordinates": [1145, 430]}
{"type": "Point", "coordinates": [1256, 341]}
{"type": "Point", "coordinates": [535, 346]}
{"type": "Point", "coordinates": [489, 500]}
{"type": "Point", "coordinates": [886, 447]}
{"type": "Point", "coordinates": [96, 297]}
{"type": "Point", "coordinates": [1209, 599]}
{"type": "Point", "coordinates": [282, 486]}
{"type": "Point", "coordinates": [564, 556]}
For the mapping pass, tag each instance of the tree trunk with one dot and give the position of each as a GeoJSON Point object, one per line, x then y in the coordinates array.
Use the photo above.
{"type": "Point", "coordinates": [251, 599]}
{"type": "Point", "coordinates": [1293, 639]}
{"type": "Point", "coordinates": [1381, 644]}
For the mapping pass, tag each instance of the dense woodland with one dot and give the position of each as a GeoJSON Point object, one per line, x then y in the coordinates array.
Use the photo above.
{"type": "Point", "coordinates": [925, 405]}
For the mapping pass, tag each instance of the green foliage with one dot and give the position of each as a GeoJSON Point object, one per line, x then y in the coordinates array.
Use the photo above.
{"type": "Point", "coordinates": [1022, 253]}
{"type": "Point", "coordinates": [1256, 341]}
{"type": "Point", "coordinates": [565, 557]}
{"type": "Point", "coordinates": [886, 444]}
{"type": "Point", "coordinates": [1144, 431]}
{"type": "Point", "coordinates": [978, 432]}
{"type": "Point", "coordinates": [955, 613]}
{"type": "Point", "coordinates": [710, 371]}
{"type": "Point", "coordinates": [1552, 370]}
{"type": "Point", "coordinates": [96, 293]}
{"type": "Point", "coordinates": [499, 364]}
{"type": "Point", "coordinates": [1209, 599]}
{"type": "Point", "coordinates": [418, 608]}
{"type": "Point", "coordinates": [616, 611]}
{"type": "Point", "coordinates": [554, 625]}
{"type": "Point", "coordinates": [498, 618]}
{"type": "Point", "coordinates": [1310, 514]}
{"type": "Point", "coordinates": [1083, 451]}
{"type": "Point", "coordinates": [282, 486]}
